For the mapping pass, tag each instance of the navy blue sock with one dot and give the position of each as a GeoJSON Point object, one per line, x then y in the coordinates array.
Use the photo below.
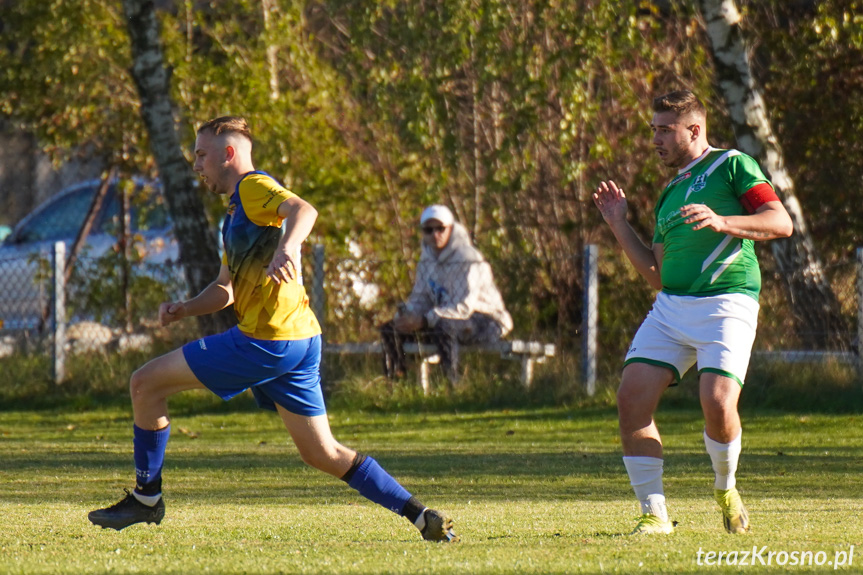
{"type": "Point", "coordinates": [149, 458]}
{"type": "Point", "coordinates": [376, 485]}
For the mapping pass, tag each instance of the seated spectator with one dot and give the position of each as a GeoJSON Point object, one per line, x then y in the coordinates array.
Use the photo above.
{"type": "Point", "coordinates": [454, 299]}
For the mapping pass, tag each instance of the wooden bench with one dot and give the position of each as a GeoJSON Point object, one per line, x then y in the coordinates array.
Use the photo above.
{"type": "Point", "coordinates": [528, 353]}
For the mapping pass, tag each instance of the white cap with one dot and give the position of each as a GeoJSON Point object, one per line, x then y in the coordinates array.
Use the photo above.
{"type": "Point", "coordinates": [439, 213]}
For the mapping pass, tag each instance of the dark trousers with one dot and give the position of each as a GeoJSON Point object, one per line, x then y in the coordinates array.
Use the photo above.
{"type": "Point", "coordinates": [447, 334]}
{"type": "Point", "coordinates": [394, 355]}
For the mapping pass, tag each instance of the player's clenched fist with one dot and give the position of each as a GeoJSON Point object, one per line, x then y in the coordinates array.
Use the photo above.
{"type": "Point", "coordinates": [170, 312]}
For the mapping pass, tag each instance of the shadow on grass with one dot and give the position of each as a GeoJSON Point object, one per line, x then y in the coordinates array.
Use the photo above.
{"type": "Point", "coordinates": [536, 476]}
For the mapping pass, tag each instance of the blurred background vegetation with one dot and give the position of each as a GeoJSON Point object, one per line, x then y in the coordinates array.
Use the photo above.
{"type": "Point", "coordinates": [509, 111]}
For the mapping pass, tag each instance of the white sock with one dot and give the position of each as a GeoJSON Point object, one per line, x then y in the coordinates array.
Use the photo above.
{"type": "Point", "coordinates": [645, 476]}
{"type": "Point", "coordinates": [655, 505]}
{"type": "Point", "coordinates": [724, 457]}
{"type": "Point", "coordinates": [421, 520]}
{"type": "Point", "coordinates": [148, 500]}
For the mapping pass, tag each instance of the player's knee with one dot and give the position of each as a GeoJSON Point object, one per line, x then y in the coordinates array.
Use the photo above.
{"type": "Point", "coordinates": [139, 383]}
{"type": "Point", "coordinates": [627, 401]}
{"type": "Point", "coordinates": [634, 409]}
{"type": "Point", "coordinates": [718, 411]}
{"type": "Point", "coordinates": [135, 383]}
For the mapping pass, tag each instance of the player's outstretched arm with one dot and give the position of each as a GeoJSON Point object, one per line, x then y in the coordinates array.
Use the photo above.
{"type": "Point", "coordinates": [216, 296]}
{"type": "Point", "coordinates": [611, 201]}
{"type": "Point", "coordinates": [300, 217]}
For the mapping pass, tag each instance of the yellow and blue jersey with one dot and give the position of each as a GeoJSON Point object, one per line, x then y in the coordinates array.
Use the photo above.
{"type": "Point", "coordinates": [251, 232]}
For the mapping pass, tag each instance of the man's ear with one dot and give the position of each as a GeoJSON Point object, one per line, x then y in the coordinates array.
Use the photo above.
{"type": "Point", "coordinates": [696, 131]}
{"type": "Point", "coordinates": [230, 152]}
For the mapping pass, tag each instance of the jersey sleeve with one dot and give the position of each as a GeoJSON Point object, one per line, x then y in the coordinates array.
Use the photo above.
{"type": "Point", "coordinates": [261, 197]}
{"type": "Point", "coordinates": [745, 174]}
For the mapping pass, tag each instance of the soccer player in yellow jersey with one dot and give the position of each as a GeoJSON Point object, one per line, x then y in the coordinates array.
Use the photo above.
{"type": "Point", "coordinates": [275, 349]}
{"type": "Point", "coordinates": [703, 262]}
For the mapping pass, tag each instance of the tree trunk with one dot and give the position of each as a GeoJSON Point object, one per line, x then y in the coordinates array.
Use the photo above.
{"type": "Point", "coordinates": [817, 316]}
{"type": "Point", "coordinates": [87, 226]}
{"type": "Point", "coordinates": [197, 242]}
{"type": "Point", "coordinates": [268, 9]}
{"type": "Point", "coordinates": [478, 165]}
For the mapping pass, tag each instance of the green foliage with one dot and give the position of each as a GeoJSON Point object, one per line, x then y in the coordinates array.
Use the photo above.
{"type": "Point", "coordinates": [509, 112]}
{"type": "Point", "coordinates": [809, 62]}
{"type": "Point", "coordinates": [96, 289]}
{"type": "Point", "coordinates": [117, 286]}
{"type": "Point", "coordinates": [96, 380]}
{"type": "Point", "coordinates": [625, 300]}
{"type": "Point", "coordinates": [827, 387]}
{"type": "Point", "coordinates": [121, 286]}
{"type": "Point", "coordinates": [67, 84]}
{"type": "Point", "coordinates": [355, 382]}
{"type": "Point", "coordinates": [512, 114]}
{"type": "Point", "coordinates": [222, 66]}
{"type": "Point", "coordinates": [488, 382]}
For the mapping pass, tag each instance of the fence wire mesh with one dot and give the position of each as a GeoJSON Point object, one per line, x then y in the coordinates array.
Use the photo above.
{"type": "Point", "coordinates": [112, 304]}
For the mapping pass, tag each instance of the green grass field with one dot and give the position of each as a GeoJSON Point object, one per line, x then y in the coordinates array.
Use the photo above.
{"type": "Point", "coordinates": [534, 490]}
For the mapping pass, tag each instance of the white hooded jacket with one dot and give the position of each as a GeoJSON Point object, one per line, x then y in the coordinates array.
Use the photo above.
{"type": "Point", "coordinates": [456, 284]}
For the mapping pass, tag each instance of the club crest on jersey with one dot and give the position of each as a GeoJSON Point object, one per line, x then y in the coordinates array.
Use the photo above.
{"type": "Point", "coordinates": [698, 184]}
{"type": "Point", "coordinates": [680, 178]}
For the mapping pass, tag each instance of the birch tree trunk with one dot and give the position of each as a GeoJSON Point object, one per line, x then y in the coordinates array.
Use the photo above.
{"type": "Point", "coordinates": [268, 9]}
{"type": "Point", "coordinates": [817, 316]}
{"type": "Point", "coordinates": [197, 242]}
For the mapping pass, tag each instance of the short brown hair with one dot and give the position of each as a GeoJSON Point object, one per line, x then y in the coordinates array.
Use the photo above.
{"type": "Point", "coordinates": [682, 102]}
{"type": "Point", "coordinates": [227, 125]}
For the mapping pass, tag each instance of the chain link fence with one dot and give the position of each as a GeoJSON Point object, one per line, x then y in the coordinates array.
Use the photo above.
{"type": "Point", "coordinates": [590, 304]}
{"type": "Point", "coordinates": [587, 305]}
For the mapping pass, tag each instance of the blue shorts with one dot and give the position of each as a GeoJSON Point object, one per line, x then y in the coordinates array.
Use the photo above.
{"type": "Point", "coordinates": [287, 373]}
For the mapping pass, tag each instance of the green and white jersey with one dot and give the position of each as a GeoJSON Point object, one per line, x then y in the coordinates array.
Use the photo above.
{"type": "Point", "coordinates": [704, 262]}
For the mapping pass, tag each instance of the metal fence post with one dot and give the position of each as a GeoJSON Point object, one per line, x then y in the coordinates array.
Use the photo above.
{"type": "Point", "coordinates": [318, 302]}
{"type": "Point", "coordinates": [59, 323]}
{"type": "Point", "coordinates": [590, 315]}
{"type": "Point", "coordinates": [860, 312]}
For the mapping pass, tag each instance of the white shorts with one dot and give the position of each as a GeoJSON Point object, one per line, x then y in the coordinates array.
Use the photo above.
{"type": "Point", "coordinates": [717, 332]}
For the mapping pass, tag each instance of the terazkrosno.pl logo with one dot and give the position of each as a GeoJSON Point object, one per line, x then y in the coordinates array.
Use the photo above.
{"type": "Point", "coordinates": [762, 556]}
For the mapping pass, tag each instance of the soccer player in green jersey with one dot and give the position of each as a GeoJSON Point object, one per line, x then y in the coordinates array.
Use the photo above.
{"type": "Point", "coordinates": [703, 263]}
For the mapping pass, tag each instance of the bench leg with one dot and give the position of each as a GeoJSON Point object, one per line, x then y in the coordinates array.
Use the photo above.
{"type": "Point", "coordinates": [425, 371]}
{"type": "Point", "coordinates": [424, 375]}
{"type": "Point", "coordinates": [526, 371]}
